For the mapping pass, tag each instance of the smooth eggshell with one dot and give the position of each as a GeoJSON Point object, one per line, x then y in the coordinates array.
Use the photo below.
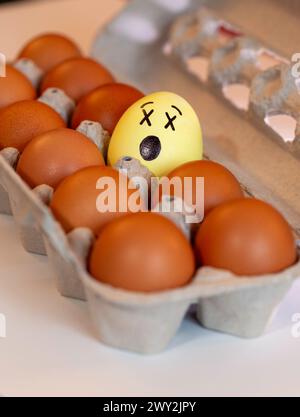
{"type": "Point", "coordinates": [161, 130]}
{"type": "Point", "coordinates": [15, 87]}
{"type": "Point", "coordinates": [106, 105]}
{"type": "Point", "coordinates": [220, 185]}
{"type": "Point", "coordinates": [142, 252]}
{"type": "Point", "coordinates": [49, 50]}
{"type": "Point", "coordinates": [77, 77]}
{"type": "Point", "coordinates": [22, 121]}
{"type": "Point", "coordinates": [52, 156]}
{"type": "Point", "coordinates": [74, 201]}
{"type": "Point", "coordinates": [247, 237]}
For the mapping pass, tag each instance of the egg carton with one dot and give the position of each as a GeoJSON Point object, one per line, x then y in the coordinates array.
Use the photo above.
{"type": "Point", "coordinates": [15, 194]}
{"type": "Point", "coordinates": [10, 155]}
{"type": "Point", "coordinates": [146, 323]}
{"type": "Point", "coordinates": [5, 207]}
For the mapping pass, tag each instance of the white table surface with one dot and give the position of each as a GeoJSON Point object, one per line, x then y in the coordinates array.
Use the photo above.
{"type": "Point", "coordinates": [50, 348]}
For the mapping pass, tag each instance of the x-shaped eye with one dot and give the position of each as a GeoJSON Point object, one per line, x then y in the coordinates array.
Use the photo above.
{"type": "Point", "coordinates": [170, 121]}
{"type": "Point", "coordinates": [147, 117]}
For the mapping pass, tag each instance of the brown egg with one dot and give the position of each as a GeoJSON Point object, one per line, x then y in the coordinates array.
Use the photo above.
{"type": "Point", "coordinates": [22, 121]}
{"type": "Point", "coordinates": [52, 156]}
{"type": "Point", "coordinates": [15, 87]}
{"type": "Point", "coordinates": [220, 185]}
{"type": "Point", "coordinates": [77, 77]}
{"type": "Point", "coordinates": [247, 237]}
{"type": "Point", "coordinates": [49, 50]}
{"type": "Point", "coordinates": [106, 105]}
{"type": "Point", "coordinates": [142, 252]}
{"type": "Point", "coordinates": [74, 201]}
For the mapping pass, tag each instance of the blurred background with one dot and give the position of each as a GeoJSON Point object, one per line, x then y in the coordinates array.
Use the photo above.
{"type": "Point", "coordinates": [20, 20]}
{"type": "Point", "coordinates": [11, 1]}
{"type": "Point", "coordinates": [17, 1]}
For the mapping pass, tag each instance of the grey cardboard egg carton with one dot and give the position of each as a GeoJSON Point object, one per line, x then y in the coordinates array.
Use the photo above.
{"type": "Point", "coordinates": [272, 91]}
{"type": "Point", "coordinates": [10, 155]}
{"type": "Point", "coordinates": [146, 323]}
{"type": "Point", "coordinates": [241, 306]}
{"type": "Point", "coordinates": [13, 203]}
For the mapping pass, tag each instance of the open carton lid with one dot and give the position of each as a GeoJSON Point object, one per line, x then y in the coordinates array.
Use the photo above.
{"type": "Point", "coordinates": [266, 165]}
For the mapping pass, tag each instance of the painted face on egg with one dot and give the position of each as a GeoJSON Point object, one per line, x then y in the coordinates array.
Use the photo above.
{"type": "Point", "coordinates": [161, 130]}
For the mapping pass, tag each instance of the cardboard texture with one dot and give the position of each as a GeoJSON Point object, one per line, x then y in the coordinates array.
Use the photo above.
{"type": "Point", "coordinates": [238, 305]}
{"type": "Point", "coordinates": [146, 323]}
{"type": "Point", "coordinates": [241, 306]}
{"type": "Point", "coordinates": [30, 70]}
{"type": "Point", "coordinates": [5, 207]}
{"type": "Point", "coordinates": [10, 155]}
{"type": "Point", "coordinates": [59, 101]}
{"type": "Point", "coordinates": [63, 264]}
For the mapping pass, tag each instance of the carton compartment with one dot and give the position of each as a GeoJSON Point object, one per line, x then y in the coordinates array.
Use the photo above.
{"type": "Point", "coordinates": [243, 313]}
{"type": "Point", "coordinates": [65, 261]}
{"type": "Point", "coordinates": [28, 229]}
{"type": "Point", "coordinates": [240, 306]}
{"type": "Point", "coordinates": [143, 323]}
{"type": "Point", "coordinates": [146, 323]}
{"type": "Point", "coordinates": [146, 329]}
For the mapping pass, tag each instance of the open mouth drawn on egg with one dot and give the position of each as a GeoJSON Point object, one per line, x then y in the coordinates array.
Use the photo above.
{"type": "Point", "coordinates": [150, 148]}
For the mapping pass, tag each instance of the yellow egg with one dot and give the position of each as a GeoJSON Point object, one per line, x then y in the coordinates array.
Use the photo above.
{"type": "Point", "coordinates": [161, 130]}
